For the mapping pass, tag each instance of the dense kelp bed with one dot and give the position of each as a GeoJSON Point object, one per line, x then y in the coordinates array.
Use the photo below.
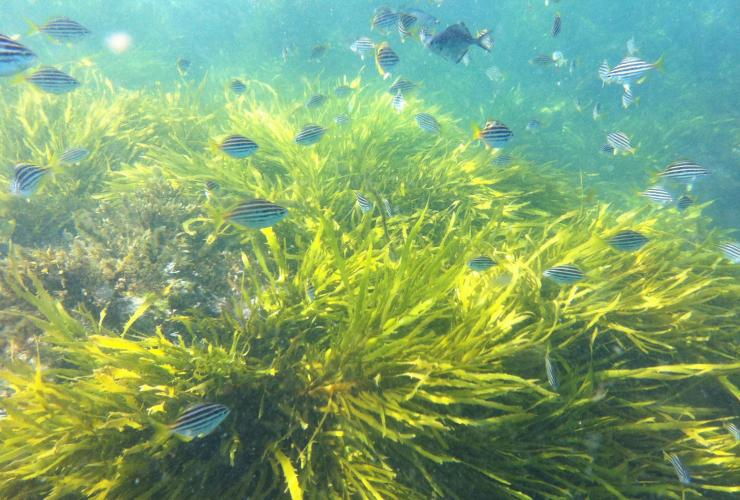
{"type": "Point", "coordinates": [359, 354]}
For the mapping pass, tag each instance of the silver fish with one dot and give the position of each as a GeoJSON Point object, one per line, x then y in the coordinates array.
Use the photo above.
{"type": "Point", "coordinates": [454, 42]}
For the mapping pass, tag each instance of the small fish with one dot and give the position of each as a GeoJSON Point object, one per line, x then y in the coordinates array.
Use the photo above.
{"type": "Point", "coordinates": [14, 57]}
{"type": "Point", "coordinates": [733, 430]}
{"type": "Point", "coordinates": [310, 134]}
{"type": "Point", "coordinates": [658, 195]}
{"type": "Point", "coordinates": [495, 74]}
{"type": "Point", "coordinates": [402, 85]}
{"type": "Point", "coordinates": [604, 73]}
{"type": "Point", "coordinates": [556, 25]}
{"type": "Point", "coordinates": [533, 125]}
{"type": "Point", "coordinates": [454, 42]}
{"type": "Point", "coordinates": [211, 188]}
{"type": "Point", "coordinates": [578, 104]}
{"type": "Point", "coordinates": [566, 274]}
{"type": "Point", "coordinates": [406, 22]}
{"type": "Point", "coordinates": [684, 202]}
{"type": "Point", "coordinates": [542, 60]}
{"type": "Point", "coordinates": [362, 202]}
{"type": "Point", "coordinates": [502, 159]}
{"type": "Point", "coordinates": [607, 148]}
{"type": "Point", "coordinates": [398, 102]}
{"type": "Point", "coordinates": [632, 68]}
{"type": "Point", "coordinates": [388, 208]}
{"type": "Point", "coordinates": [343, 91]}
{"type": "Point", "coordinates": [731, 251]}
{"type": "Point", "coordinates": [311, 292]}
{"type": "Point", "coordinates": [199, 420]}
{"type": "Point", "coordinates": [596, 112]}
{"type": "Point", "coordinates": [74, 155]}
{"type": "Point", "coordinates": [257, 214]}
{"type": "Point", "coordinates": [362, 46]}
{"type": "Point", "coordinates": [494, 134]}
{"type": "Point", "coordinates": [481, 263]}
{"type": "Point", "coordinates": [628, 240]}
{"type": "Point", "coordinates": [558, 58]}
{"type": "Point", "coordinates": [681, 471]}
{"type": "Point", "coordinates": [52, 81]}
{"type": "Point", "coordinates": [238, 146]}
{"type": "Point", "coordinates": [620, 142]}
{"type": "Point", "coordinates": [316, 101]}
{"type": "Point", "coordinates": [237, 86]}
{"type": "Point", "coordinates": [385, 60]}
{"type": "Point", "coordinates": [384, 19]}
{"type": "Point", "coordinates": [342, 119]}
{"type": "Point", "coordinates": [26, 179]}
{"type": "Point", "coordinates": [684, 171]}
{"type": "Point", "coordinates": [183, 65]}
{"type": "Point", "coordinates": [627, 98]}
{"type": "Point", "coordinates": [317, 52]}
{"type": "Point", "coordinates": [632, 47]}
{"type": "Point", "coordinates": [427, 123]}
{"type": "Point", "coordinates": [552, 374]}
{"type": "Point", "coordinates": [63, 29]}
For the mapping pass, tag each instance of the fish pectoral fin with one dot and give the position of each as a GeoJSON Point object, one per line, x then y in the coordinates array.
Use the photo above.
{"type": "Point", "coordinates": [462, 56]}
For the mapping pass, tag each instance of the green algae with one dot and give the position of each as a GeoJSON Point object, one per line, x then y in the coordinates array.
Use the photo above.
{"type": "Point", "coordinates": [407, 375]}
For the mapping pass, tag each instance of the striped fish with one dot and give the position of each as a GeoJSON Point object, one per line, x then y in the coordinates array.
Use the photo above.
{"type": "Point", "coordinates": [238, 146]}
{"type": "Point", "coordinates": [388, 208]}
{"type": "Point", "coordinates": [74, 155]}
{"type": "Point", "coordinates": [628, 99]}
{"type": "Point", "coordinates": [556, 25]}
{"type": "Point", "coordinates": [405, 24]}
{"type": "Point", "coordinates": [427, 123]}
{"type": "Point", "coordinates": [362, 202]}
{"type": "Point", "coordinates": [257, 214]}
{"type": "Point", "coordinates": [684, 171]}
{"type": "Point", "coordinates": [63, 29]}
{"type": "Point", "coordinates": [398, 102]}
{"type": "Point", "coordinates": [14, 57]}
{"type": "Point", "coordinates": [620, 142]}
{"type": "Point", "coordinates": [566, 274]}
{"type": "Point", "coordinates": [684, 202]}
{"type": "Point", "coordinates": [384, 19]}
{"type": "Point", "coordinates": [310, 134]}
{"type": "Point", "coordinates": [385, 60]}
{"type": "Point", "coordinates": [658, 195]}
{"type": "Point", "coordinates": [495, 134]}
{"type": "Point", "coordinates": [631, 69]}
{"type": "Point", "coordinates": [542, 60]}
{"type": "Point", "coordinates": [733, 430]}
{"type": "Point", "coordinates": [481, 263]}
{"type": "Point", "coordinates": [342, 119]}
{"type": "Point", "coordinates": [311, 292]}
{"type": "Point", "coordinates": [343, 91]}
{"type": "Point", "coordinates": [237, 86]}
{"type": "Point", "coordinates": [199, 420]}
{"type": "Point", "coordinates": [52, 81]}
{"type": "Point", "coordinates": [502, 159]}
{"type": "Point", "coordinates": [628, 240]}
{"type": "Point", "coordinates": [604, 73]}
{"type": "Point", "coordinates": [731, 251]}
{"type": "Point", "coordinates": [211, 188]}
{"type": "Point", "coordinates": [608, 149]}
{"type": "Point", "coordinates": [402, 85]}
{"type": "Point", "coordinates": [362, 46]}
{"type": "Point", "coordinates": [681, 471]}
{"type": "Point", "coordinates": [26, 179]}
{"type": "Point", "coordinates": [551, 371]}
{"type": "Point", "coordinates": [316, 101]}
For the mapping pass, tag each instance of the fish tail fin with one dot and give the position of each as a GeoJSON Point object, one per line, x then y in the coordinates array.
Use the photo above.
{"type": "Point", "coordinates": [33, 28]}
{"type": "Point", "coordinates": [17, 79]}
{"type": "Point", "coordinates": [484, 40]}
{"type": "Point", "coordinates": [476, 131]}
{"type": "Point", "coordinates": [213, 147]}
{"type": "Point", "coordinates": [660, 63]}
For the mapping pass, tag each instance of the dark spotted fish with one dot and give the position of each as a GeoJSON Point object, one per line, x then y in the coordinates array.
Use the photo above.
{"type": "Point", "coordinates": [731, 251]}
{"type": "Point", "coordinates": [238, 146]}
{"type": "Point", "coordinates": [658, 195]}
{"type": "Point", "coordinates": [316, 101]}
{"type": "Point", "coordinates": [427, 123]}
{"type": "Point", "coordinates": [454, 42]}
{"type": "Point", "coordinates": [628, 240]}
{"type": "Point", "coordinates": [566, 274]}
{"type": "Point", "coordinates": [63, 29]}
{"type": "Point", "coordinates": [481, 263]}
{"type": "Point", "coordinates": [310, 134]}
{"type": "Point", "coordinates": [684, 171]}
{"type": "Point", "coordinates": [237, 86]}
{"type": "Point", "coordinates": [26, 179]}
{"type": "Point", "coordinates": [684, 202]}
{"type": "Point", "coordinates": [199, 420]}
{"type": "Point", "coordinates": [257, 214]}
{"type": "Point", "coordinates": [680, 469]}
{"type": "Point", "coordinates": [52, 81]}
{"type": "Point", "coordinates": [556, 25]}
{"type": "Point", "coordinates": [494, 134]}
{"type": "Point", "coordinates": [74, 155]}
{"type": "Point", "coordinates": [362, 202]}
{"type": "Point", "coordinates": [386, 60]}
{"type": "Point", "coordinates": [14, 57]}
